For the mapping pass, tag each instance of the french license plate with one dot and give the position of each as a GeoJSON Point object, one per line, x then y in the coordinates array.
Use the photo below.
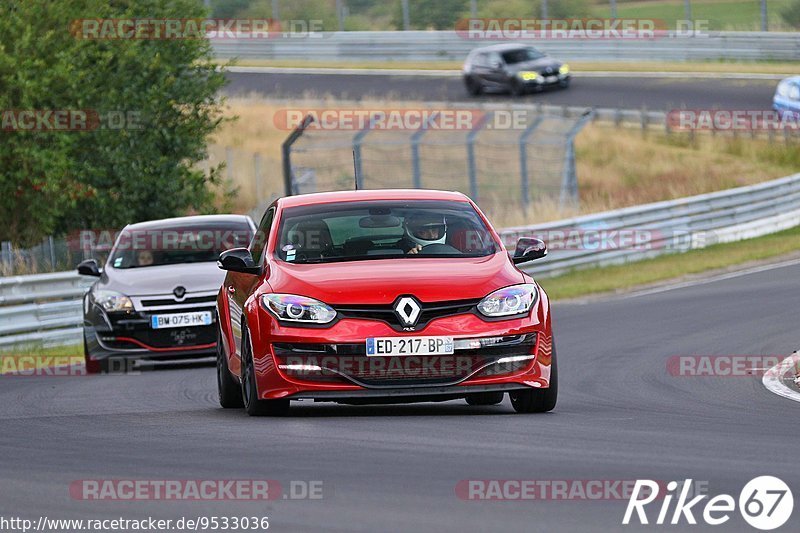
{"type": "Point", "coordinates": [181, 320]}
{"type": "Point", "coordinates": [389, 346]}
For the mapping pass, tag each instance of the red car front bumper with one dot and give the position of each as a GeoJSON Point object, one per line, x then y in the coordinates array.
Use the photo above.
{"type": "Point", "coordinates": [331, 364]}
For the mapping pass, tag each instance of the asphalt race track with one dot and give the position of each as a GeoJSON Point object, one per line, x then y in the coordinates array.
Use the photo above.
{"type": "Point", "coordinates": [620, 416]}
{"type": "Point", "coordinates": [660, 94]}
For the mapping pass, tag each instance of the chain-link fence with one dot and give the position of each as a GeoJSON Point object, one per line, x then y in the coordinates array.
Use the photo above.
{"type": "Point", "coordinates": [504, 159]}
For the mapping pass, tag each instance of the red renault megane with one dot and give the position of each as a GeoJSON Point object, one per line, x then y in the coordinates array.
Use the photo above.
{"type": "Point", "coordinates": [382, 296]}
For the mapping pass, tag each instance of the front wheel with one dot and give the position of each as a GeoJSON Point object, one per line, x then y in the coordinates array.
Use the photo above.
{"type": "Point", "coordinates": [537, 400]}
{"type": "Point", "coordinates": [474, 87]}
{"type": "Point", "coordinates": [517, 87]}
{"type": "Point", "coordinates": [252, 404]}
{"type": "Point", "coordinates": [230, 395]}
{"type": "Point", "coordinates": [93, 366]}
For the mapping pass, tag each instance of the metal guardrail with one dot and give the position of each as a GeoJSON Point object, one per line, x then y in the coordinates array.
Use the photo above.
{"type": "Point", "coordinates": [46, 309]}
{"type": "Point", "coordinates": [451, 46]}
{"type": "Point", "coordinates": [42, 309]}
{"type": "Point", "coordinates": [646, 231]}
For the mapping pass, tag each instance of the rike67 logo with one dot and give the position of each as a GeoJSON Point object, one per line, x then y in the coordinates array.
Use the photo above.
{"type": "Point", "coordinates": [765, 503]}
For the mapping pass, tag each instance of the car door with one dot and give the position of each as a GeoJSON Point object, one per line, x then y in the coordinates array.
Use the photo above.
{"type": "Point", "coordinates": [239, 286]}
{"type": "Point", "coordinates": [496, 72]}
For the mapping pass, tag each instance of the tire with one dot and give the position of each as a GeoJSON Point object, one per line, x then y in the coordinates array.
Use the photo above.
{"type": "Point", "coordinates": [93, 366]}
{"type": "Point", "coordinates": [230, 393]}
{"type": "Point", "coordinates": [252, 404]}
{"type": "Point", "coordinates": [485, 398]}
{"type": "Point", "coordinates": [537, 400]}
{"type": "Point", "coordinates": [564, 84]}
{"type": "Point", "coordinates": [474, 87]}
{"type": "Point", "coordinates": [517, 88]}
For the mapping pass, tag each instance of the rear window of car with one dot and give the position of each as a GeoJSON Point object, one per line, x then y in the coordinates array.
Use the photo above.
{"type": "Point", "coordinates": [189, 243]}
{"type": "Point", "coordinates": [352, 231]}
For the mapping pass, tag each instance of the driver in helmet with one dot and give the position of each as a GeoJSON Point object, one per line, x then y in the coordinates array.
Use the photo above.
{"type": "Point", "coordinates": [422, 229]}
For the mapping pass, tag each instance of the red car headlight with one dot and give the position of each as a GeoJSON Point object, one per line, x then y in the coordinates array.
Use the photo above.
{"type": "Point", "coordinates": [294, 308]}
{"type": "Point", "coordinates": [509, 301]}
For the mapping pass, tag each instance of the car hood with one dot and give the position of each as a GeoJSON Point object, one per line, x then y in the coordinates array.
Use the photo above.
{"type": "Point", "coordinates": [537, 65]}
{"type": "Point", "coordinates": [382, 281]}
{"type": "Point", "coordinates": [194, 277]}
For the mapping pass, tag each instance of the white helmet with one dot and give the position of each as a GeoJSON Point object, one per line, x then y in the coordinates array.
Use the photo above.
{"type": "Point", "coordinates": [426, 228]}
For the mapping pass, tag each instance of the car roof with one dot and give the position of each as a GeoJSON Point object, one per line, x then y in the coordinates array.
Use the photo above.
{"type": "Point", "coordinates": [184, 222]}
{"type": "Point", "coordinates": [373, 194]}
{"type": "Point", "coordinates": [793, 79]}
{"type": "Point", "coordinates": [503, 47]}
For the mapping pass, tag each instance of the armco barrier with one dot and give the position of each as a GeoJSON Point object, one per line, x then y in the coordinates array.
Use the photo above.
{"type": "Point", "coordinates": [46, 309]}
{"type": "Point", "coordinates": [450, 46]}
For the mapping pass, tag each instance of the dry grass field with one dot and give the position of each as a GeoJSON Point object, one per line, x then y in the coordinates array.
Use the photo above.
{"type": "Point", "coordinates": [617, 167]}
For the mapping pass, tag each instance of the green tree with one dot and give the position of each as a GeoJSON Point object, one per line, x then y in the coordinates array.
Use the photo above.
{"type": "Point", "coordinates": [791, 14]}
{"type": "Point", "coordinates": [54, 182]}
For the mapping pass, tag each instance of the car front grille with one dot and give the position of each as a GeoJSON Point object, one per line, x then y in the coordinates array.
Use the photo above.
{"type": "Point", "coordinates": [342, 363]}
{"type": "Point", "coordinates": [137, 326]}
{"type": "Point", "coordinates": [172, 301]}
{"type": "Point", "coordinates": [387, 314]}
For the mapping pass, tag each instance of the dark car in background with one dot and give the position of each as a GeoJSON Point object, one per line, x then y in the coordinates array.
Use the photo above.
{"type": "Point", "coordinates": [513, 68]}
{"type": "Point", "coordinates": [155, 296]}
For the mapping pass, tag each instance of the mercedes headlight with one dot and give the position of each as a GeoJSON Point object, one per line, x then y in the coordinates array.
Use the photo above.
{"type": "Point", "coordinates": [564, 69]}
{"type": "Point", "coordinates": [111, 301]}
{"type": "Point", "coordinates": [508, 301]}
{"type": "Point", "coordinates": [293, 308]}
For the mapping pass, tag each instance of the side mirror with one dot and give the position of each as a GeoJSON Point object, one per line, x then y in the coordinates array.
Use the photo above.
{"type": "Point", "coordinates": [529, 249]}
{"type": "Point", "coordinates": [238, 260]}
{"type": "Point", "coordinates": [89, 268]}
{"type": "Point", "coordinates": [495, 64]}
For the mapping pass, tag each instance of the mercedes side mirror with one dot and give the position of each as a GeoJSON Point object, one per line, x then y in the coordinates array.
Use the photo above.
{"type": "Point", "coordinates": [89, 268]}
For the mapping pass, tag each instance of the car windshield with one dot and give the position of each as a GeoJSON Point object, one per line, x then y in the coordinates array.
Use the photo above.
{"type": "Point", "coordinates": [191, 243]}
{"type": "Point", "coordinates": [356, 231]}
{"type": "Point", "coordinates": [521, 55]}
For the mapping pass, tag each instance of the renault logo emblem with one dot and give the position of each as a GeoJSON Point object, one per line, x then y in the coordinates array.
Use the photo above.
{"type": "Point", "coordinates": [407, 310]}
{"type": "Point", "coordinates": [179, 292]}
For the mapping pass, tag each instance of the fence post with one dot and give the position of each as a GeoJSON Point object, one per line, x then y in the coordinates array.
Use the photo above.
{"type": "Point", "coordinates": [51, 242]}
{"type": "Point", "coordinates": [286, 151]}
{"type": "Point", "coordinates": [257, 176]}
{"type": "Point", "coordinates": [358, 140]}
{"type": "Point", "coordinates": [523, 160]}
{"type": "Point", "coordinates": [5, 256]}
{"type": "Point", "coordinates": [416, 137]}
{"type": "Point", "coordinates": [569, 180]}
{"type": "Point", "coordinates": [229, 163]}
{"type": "Point", "coordinates": [473, 171]}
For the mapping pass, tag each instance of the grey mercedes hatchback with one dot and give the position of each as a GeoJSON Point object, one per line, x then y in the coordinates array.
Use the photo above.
{"type": "Point", "coordinates": [156, 294]}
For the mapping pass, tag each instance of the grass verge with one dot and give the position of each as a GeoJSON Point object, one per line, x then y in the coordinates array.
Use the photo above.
{"type": "Point", "coordinates": [622, 277]}
{"type": "Point", "coordinates": [26, 360]}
